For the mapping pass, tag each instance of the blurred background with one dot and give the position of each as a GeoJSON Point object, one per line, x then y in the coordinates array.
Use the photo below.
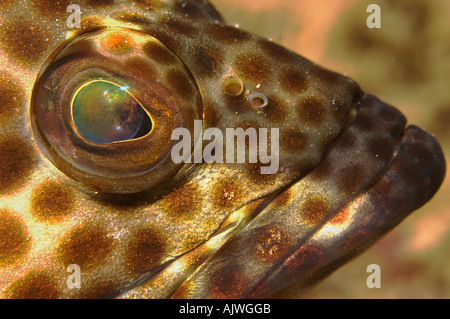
{"type": "Point", "coordinates": [406, 63]}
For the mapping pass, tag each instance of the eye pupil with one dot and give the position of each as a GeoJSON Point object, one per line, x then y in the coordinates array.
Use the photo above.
{"type": "Point", "coordinates": [105, 113]}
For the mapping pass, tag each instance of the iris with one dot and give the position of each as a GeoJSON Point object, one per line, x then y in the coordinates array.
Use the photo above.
{"type": "Point", "coordinates": [105, 113]}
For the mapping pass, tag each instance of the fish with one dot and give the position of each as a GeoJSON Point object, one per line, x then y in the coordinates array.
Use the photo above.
{"type": "Point", "coordinates": [96, 98]}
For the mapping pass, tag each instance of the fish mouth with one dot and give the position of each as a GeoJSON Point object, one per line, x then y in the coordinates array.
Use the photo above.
{"type": "Point", "coordinates": [375, 174]}
{"type": "Point", "coordinates": [413, 170]}
{"type": "Point", "coordinates": [412, 176]}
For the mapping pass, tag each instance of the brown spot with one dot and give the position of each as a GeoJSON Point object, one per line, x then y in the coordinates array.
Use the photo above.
{"type": "Point", "coordinates": [146, 249]}
{"type": "Point", "coordinates": [11, 96]}
{"type": "Point", "coordinates": [14, 239]}
{"type": "Point", "coordinates": [17, 160]}
{"type": "Point", "coordinates": [312, 111]}
{"type": "Point", "coordinates": [159, 53]}
{"type": "Point", "coordinates": [86, 247]}
{"type": "Point", "coordinates": [179, 81]}
{"type": "Point", "coordinates": [51, 201]}
{"type": "Point", "coordinates": [293, 141]}
{"type": "Point", "coordinates": [283, 199]}
{"type": "Point", "coordinates": [270, 243]}
{"type": "Point", "coordinates": [293, 81]}
{"type": "Point", "coordinates": [207, 61]}
{"type": "Point", "coordinates": [179, 27]}
{"type": "Point", "coordinates": [227, 34]}
{"type": "Point", "coordinates": [24, 40]}
{"type": "Point", "coordinates": [33, 286]}
{"type": "Point", "coordinates": [314, 209]}
{"type": "Point", "coordinates": [228, 283]}
{"type": "Point", "coordinates": [350, 179]}
{"type": "Point", "coordinates": [252, 66]}
{"type": "Point", "coordinates": [118, 43]}
{"type": "Point", "coordinates": [227, 194]}
{"type": "Point", "coordinates": [182, 202]}
{"type": "Point", "coordinates": [276, 51]}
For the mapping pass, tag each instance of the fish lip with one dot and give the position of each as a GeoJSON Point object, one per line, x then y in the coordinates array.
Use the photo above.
{"type": "Point", "coordinates": [413, 175]}
{"type": "Point", "coordinates": [422, 156]}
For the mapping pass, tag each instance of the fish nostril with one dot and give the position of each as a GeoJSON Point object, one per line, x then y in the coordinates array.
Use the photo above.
{"type": "Point", "coordinates": [258, 101]}
{"type": "Point", "coordinates": [233, 86]}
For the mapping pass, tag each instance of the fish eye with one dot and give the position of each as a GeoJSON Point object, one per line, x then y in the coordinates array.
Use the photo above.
{"type": "Point", "coordinates": [103, 110]}
{"type": "Point", "coordinates": [105, 113]}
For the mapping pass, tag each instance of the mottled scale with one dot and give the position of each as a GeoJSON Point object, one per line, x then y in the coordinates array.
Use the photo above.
{"type": "Point", "coordinates": [140, 225]}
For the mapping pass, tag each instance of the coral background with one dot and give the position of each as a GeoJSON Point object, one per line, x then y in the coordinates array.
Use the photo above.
{"type": "Point", "coordinates": [406, 63]}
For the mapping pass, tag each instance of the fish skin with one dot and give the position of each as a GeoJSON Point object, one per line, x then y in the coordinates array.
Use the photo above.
{"type": "Point", "coordinates": [182, 234]}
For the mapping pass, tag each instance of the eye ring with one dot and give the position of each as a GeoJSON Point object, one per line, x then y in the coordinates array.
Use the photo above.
{"type": "Point", "coordinates": [128, 165]}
